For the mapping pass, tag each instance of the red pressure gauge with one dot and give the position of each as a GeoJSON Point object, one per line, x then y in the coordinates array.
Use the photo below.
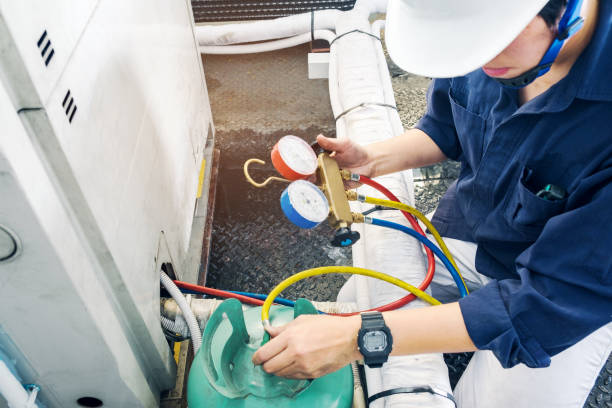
{"type": "Point", "coordinates": [293, 158]}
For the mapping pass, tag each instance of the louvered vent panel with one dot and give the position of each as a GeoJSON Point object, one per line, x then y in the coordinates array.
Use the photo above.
{"type": "Point", "coordinates": [236, 10]}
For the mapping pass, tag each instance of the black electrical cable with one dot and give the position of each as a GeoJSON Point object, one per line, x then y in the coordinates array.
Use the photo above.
{"type": "Point", "coordinates": [377, 208]}
{"type": "Point", "coordinates": [364, 105]}
{"type": "Point", "coordinates": [312, 14]}
{"type": "Point", "coordinates": [351, 32]}
{"type": "Point", "coordinates": [412, 390]}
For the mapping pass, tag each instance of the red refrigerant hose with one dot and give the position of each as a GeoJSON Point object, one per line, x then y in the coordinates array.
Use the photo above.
{"type": "Point", "coordinates": [431, 267]}
{"type": "Point", "coordinates": [218, 293]}
{"type": "Point", "coordinates": [431, 264]}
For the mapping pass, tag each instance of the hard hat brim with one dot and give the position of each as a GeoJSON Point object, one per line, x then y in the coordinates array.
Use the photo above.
{"type": "Point", "coordinates": [449, 43]}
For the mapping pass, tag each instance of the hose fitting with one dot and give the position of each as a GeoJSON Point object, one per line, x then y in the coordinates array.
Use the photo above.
{"type": "Point", "coordinates": [358, 218]}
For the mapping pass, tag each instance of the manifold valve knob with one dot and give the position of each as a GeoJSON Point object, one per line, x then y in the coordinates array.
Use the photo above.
{"type": "Point", "coordinates": [344, 237]}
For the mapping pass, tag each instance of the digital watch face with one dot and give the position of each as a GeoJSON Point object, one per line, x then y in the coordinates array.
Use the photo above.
{"type": "Point", "coordinates": [375, 341]}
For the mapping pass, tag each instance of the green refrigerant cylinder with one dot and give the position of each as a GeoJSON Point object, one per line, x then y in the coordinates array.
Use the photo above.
{"type": "Point", "coordinates": [222, 374]}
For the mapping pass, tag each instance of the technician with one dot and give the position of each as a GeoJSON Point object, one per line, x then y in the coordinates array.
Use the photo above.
{"type": "Point", "coordinates": [531, 212]}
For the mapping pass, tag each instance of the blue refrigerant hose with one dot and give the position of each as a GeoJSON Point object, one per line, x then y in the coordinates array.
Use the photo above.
{"type": "Point", "coordinates": [428, 243]}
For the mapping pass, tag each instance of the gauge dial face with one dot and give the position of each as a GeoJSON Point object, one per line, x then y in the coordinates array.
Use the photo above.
{"type": "Point", "coordinates": [308, 201]}
{"type": "Point", "coordinates": [297, 155]}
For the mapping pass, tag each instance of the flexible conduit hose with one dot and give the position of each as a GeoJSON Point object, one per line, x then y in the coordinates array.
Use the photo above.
{"type": "Point", "coordinates": [463, 291]}
{"type": "Point", "coordinates": [192, 323]}
{"type": "Point", "coordinates": [324, 270]}
{"type": "Point", "coordinates": [176, 326]}
{"type": "Point", "coordinates": [428, 224]}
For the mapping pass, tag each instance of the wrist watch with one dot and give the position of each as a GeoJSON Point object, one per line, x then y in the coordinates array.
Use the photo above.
{"type": "Point", "coordinates": [374, 339]}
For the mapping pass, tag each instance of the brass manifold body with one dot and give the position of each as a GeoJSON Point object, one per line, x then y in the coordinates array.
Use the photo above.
{"type": "Point", "coordinates": [331, 182]}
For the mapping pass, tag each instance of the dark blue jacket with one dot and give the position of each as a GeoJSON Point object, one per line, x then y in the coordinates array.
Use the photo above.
{"type": "Point", "coordinates": [551, 260]}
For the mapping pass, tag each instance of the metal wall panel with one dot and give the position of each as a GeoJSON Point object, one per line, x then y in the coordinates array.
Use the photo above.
{"type": "Point", "coordinates": [101, 189]}
{"type": "Point", "coordinates": [43, 33]}
{"type": "Point", "coordinates": [58, 322]}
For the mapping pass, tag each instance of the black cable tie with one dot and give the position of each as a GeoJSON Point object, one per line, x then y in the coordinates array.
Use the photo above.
{"type": "Point", "coordinates": [363, 105]}
{"type": "Point", "coordinates": [312, 14]}
{"type": "Point", "coordinates": [353, 31]}
{"type": "Point", "coordinates": [412, 390]}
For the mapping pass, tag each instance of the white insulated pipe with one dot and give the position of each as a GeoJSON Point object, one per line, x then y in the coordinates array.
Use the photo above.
{"type": "Point", "coordinates": [203, 308]}
{"type": "Point", "coordinates": [268, 45]}
{"type": "Point", "coordinates": [278, 28]}
{"type": "Point", "coordinates": [13, 392]}
{"type": "Point", "coordinates": [363, 77]}
{"type": "Point", "coordinates": [265, 30]}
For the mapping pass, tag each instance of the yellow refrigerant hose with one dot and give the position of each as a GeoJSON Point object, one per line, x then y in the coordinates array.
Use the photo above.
{"type": "Point", "coordinates": [324, 270]}
{"type": "Point", "coordinates": [421, 217]}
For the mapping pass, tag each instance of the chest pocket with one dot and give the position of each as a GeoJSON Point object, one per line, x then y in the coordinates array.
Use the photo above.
{"type": "Point", "coordinates": [526, 212]}
{"type": "Point", "coordinates": [470, 128]}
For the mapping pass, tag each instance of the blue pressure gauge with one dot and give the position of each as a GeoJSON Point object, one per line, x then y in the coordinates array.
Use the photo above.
{"type": "Point", "coordinates": [304, 204]}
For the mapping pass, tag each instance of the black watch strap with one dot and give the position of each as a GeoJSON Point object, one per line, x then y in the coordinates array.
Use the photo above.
{"type": "Point", "coordinates": [372, 320]}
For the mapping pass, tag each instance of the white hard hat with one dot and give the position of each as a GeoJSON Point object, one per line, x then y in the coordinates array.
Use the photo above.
{"type": "Point", "coordinates": [448, 38]}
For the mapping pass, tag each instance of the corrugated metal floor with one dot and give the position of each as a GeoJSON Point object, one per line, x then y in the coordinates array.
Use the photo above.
{"type": "Point", "coordinates": [256, 99]}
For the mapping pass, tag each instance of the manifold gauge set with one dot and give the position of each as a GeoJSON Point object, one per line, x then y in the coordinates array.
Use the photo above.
{"type": "Point", "coordinates": [303, 202]}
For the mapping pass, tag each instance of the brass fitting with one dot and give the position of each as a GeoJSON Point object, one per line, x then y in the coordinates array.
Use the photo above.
{"type": "Point", "coordinates": [333, 187]}
{"type": "Point", "coordinates": [351, 195]}
{"type": "Point", "coordinates": [345, 174]}
{"type": "Point", "coordinates": [358, 218]}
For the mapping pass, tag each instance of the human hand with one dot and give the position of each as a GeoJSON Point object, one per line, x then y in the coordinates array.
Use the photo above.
{"type": "Point", "coordinates": [310, 346]}
{"type": "Point", "coordinates": [348, 154]}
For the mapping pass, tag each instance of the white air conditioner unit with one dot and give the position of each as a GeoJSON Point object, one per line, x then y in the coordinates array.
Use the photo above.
{"type": "Point", "coordinates": [104, 118]}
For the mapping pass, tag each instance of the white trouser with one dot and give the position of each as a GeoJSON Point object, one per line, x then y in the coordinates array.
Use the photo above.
{"type": "Point", "coordinates": [486, 384]}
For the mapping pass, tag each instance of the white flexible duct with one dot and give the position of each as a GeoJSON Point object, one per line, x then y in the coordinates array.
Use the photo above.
{"type": "Point", "coordinates": [13, 392]}
{"type": "Point", "coordinates": [266, 29]}
{"type": "Point", "coordinates": [266, 46]}
{"type": "Point", "coordinates": [194, 328]}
